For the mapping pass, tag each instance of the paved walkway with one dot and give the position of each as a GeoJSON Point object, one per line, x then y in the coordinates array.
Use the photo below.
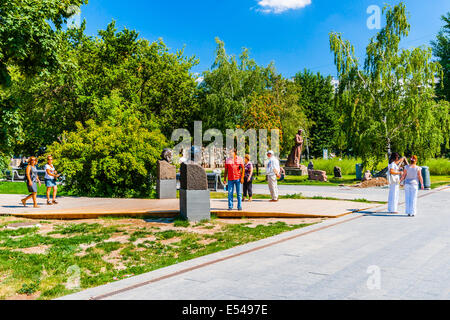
{"type": "Point", "coordinates": [359, 256]}
{"type": "Point", "coordinates": [84, 208]}
{"type": "Point", "coordinates": [350, 193]}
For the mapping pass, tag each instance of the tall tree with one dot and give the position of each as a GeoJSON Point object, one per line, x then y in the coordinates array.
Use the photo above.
{"type": "Point", "coordinates": [28, 45]}
{"type": "Point", "coordinates": [227, 88]}
{"type": "Point", "coordinates": [441, 49]}
{"type": "Point", "coordinates": [316, 98]}
{"type": "Point", "coordinates": [389, 103]}
{"type": "Point", "coordinates": [116, 66]}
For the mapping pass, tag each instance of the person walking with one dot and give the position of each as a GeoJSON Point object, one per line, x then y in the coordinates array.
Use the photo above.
{"type": "Point", "coordinates": [50, 180]}
{"type": "Point", "coordinates": [248, 178]}
{"type": "Point", "coordinates": [412, 175]}
{"type": "Point", "coordinates": [394, 174]}
{"type": "Point", "coordinates": [31, 178]}
{"type": "Point", "coordinates": [272, 173]}
{"type": "Point", "coordinates": [234, 172]}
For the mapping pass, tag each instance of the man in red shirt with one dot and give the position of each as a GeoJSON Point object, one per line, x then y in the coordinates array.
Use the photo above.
{"type": "Point", "coordinates": [234, 172]}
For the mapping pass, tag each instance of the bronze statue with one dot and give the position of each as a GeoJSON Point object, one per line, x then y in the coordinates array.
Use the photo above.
{"type": "Point", "coordinates": [293, 160]}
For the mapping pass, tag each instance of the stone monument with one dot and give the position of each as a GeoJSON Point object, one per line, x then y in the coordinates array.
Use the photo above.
{"type": "Point", "coordinates": [166, 184]}
{"type": "Point", "coordinates": [337, 172]}
{"type": "Point", "coordinates": [317, 175]}
{"type": "Point", "coordinates": [194, 193]}
{"type": "Point", "coordinates": [293, 166]}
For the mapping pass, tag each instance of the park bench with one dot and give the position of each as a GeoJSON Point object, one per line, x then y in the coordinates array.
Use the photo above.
{"type": "Point", "coordinates": [14, 174]}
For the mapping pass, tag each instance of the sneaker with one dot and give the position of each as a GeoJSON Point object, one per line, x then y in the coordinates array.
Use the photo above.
{"type": "Point", "coordinates": [240, 209]}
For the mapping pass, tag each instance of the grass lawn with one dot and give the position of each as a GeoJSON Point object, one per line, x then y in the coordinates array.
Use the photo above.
{"type": "Point", "coordinates": [41, 262]}
{"type": "Point", "coordinates": [7, 187]}
{"type": "Point", "coordinates": [436, 181]}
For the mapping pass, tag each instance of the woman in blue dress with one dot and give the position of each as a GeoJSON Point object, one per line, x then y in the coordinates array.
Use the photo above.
{"type": "Point", "coordinates": [31, 178]}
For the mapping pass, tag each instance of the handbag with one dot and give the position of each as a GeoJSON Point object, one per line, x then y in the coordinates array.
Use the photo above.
{"type": "Point", "coordinates": [393, 178]}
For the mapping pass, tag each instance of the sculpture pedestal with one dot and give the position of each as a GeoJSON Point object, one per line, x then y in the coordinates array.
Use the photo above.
{"type": "Point", "coordinates": [166, 189]}
{"type": "Point", "coordinates": [294, 171]}
{"type": "Point", "coordinates": [195, 204]}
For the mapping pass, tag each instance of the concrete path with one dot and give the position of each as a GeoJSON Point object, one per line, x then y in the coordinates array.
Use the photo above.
{"type": "Point", "coordinates": [359, 256]}
{"type": "Point", "coordinates": [350, 193]}
{"type": "Point", "coordinates": [85, 208]}
{"type": "Point", "coordinates": [310, 208]}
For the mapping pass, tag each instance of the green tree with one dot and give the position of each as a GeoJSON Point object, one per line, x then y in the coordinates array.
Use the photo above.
{"type": "Point", "coordinates": [441, 49]}
{"type": "Point", "coordinates": [115, 64]}
{"type": "Point", "coordinates": [389, 103]}
{"type": "Point", "coordinates": [317, 100]}
{"type": "Point", "coordinates": [115, 158]}
{"type": "Point", "coordinates": [227, 88]}
{"type": "Point", "coordinates": [28, 45]}
{"type": "Point", "coordinates": [27, 39]}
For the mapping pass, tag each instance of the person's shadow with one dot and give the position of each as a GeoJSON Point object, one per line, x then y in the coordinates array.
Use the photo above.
{"type": "Point", "coordinates": [382, 214]}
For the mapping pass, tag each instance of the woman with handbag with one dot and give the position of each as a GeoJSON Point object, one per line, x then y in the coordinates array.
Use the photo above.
{"type": "Point", "coordinates": [412, 176]}
{"type": "Point", "coordinates": [394, 181]}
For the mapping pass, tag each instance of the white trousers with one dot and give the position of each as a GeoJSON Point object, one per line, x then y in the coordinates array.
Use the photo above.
{"type": "Point", "coordinates": [393, 197]}
{"type": "Point", "coordinates": [411, 198]}
{"type": "Point", "coordinates": [273, 186]}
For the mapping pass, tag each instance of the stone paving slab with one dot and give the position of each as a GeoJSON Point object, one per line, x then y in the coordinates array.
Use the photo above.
{"type": "Point", "coordinates": [310, 208]}
{"type": "Point", "coordinates": [84, 208]}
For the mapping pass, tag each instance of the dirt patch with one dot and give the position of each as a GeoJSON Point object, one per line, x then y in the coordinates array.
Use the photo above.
{"type": "Point", "coordinates": [83, 248]}
{"type": "Point", "coordinates": [375, 182]}
{"type": "Point", "coordinates": [267, 221]}
{"type": "Point", "coordinates": [33, 296]}
{"type": "Point", "coordinates": [142, 240]}
{"type": "Point", "coordinates": [115, 259]}
{"type": "Point", "coordinates": [171, 240]}
{"type": "Point", "coordinates": [118, 238]}
{"type": "Point", "coordinates": [207, 241]}
{"type": "Point", "coordinates": [34, 250]}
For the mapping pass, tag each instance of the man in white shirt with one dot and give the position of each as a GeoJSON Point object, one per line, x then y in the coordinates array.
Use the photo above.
{"type": "Point", "coordinates": [273, 172]}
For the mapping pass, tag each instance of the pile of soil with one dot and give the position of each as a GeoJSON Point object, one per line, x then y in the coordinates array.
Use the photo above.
{"type": "Point", "coordinates": [375, 182]}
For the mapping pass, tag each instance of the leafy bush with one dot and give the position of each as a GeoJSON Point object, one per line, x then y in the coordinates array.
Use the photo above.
{"type": "Point", "coordinates": [115, 158]}
{"type": "Point", "coordinates": [4, 163]}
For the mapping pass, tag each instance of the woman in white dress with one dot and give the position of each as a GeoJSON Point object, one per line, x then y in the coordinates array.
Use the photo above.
{"type": "Point", "coordinates": [394, 174]}
{"type": "Point", "coordinates": [412, 176]}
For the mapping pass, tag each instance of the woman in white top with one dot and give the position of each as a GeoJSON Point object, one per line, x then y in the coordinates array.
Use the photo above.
{"type": "Point", "coordinates": [412, 176]}
{"type": "Point", "coordinates": [394, 181]}
{"type": "Point", "coordinates": [50, 180]}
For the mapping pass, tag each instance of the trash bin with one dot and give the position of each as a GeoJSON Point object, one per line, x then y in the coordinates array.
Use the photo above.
{"type": "Point", "coordinates": [358, 168]}
{"type": "Point", "coordinates": [426, 177]}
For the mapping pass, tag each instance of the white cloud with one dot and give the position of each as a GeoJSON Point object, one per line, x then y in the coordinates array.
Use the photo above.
{"type": "Point", "coordinates": [279, 6]}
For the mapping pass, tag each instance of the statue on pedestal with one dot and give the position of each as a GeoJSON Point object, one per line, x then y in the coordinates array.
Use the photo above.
{"type": "Point", "coordinates": [293, 160]}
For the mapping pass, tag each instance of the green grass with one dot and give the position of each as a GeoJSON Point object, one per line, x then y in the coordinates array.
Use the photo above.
{"type": "Point", "coordinates": [85, 246]}
{"type": "Point", "coordinates": [438, 167]}
{"type": "Point", "coordinates": [7, 187]}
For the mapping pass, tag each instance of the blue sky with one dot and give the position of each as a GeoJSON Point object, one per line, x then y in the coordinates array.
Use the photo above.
{"type": "Point", "coordinates": [291, 33]}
